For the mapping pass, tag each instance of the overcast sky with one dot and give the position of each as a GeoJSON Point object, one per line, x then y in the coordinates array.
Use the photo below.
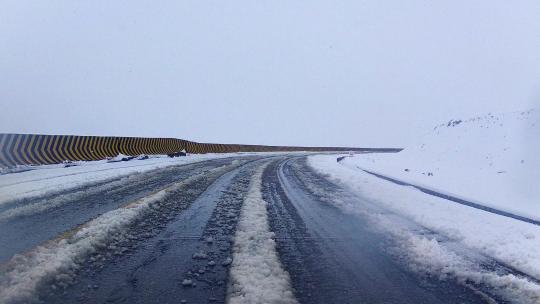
{"type": "Point", "coordinates": [353, 73]}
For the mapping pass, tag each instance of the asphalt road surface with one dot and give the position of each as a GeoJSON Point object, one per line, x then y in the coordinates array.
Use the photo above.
{"type": "Point", "coordinates": [179, 249]}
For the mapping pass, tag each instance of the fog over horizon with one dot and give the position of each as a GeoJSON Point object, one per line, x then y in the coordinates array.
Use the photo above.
{"type": "Point", "coordinates": [318, 73]}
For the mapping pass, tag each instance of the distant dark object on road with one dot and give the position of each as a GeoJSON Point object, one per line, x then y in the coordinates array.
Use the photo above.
{"type": "Point", "coordinates": [177, 154]}
{"type": "Point", "coordinates": [120, 158]}
{"type": "Point", "coordinates": [453, 123]}
{"type": "Point", "coordinates": [68, 164]}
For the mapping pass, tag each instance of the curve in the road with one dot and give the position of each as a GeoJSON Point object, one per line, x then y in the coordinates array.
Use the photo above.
{"type": "Point", "coordinates": [168, 236]}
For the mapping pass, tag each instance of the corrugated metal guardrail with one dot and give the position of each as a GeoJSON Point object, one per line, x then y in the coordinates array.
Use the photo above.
{"type": "Point", "coordinates": [32, 149]}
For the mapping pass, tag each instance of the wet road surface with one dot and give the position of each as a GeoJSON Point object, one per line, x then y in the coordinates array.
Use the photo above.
{"type": "Point", "coordinates": [180, 250]}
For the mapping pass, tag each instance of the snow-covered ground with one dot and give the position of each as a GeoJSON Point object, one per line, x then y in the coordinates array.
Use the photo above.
{"type": "Point", "coordinates": [40, 180]}
{"type": "Point", "coordinates": [492, 160]}
{"type": "Point", "coordinates": [442, 237]}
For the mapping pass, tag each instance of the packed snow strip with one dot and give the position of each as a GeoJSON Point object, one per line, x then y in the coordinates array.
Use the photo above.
{"type": "Point", "coordinates": [256, 274]}
{"type": "Point", "coordinates": [491, 160]}
{"type": "Point", "coordinates": [458, 231]}
{"type": "Point", "coordinates": [48, 179]}
{"type": "Point", "coordinates": [56, 260]}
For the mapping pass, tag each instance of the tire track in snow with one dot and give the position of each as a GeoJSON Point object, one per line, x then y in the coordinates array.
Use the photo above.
{"type": "Point", "coordinates": [37, 221]}
{"type": "Point", "coordinates": [47, 199]}
{"type": "Point", "coordinates": [334, 257]}
{"type": "Point", "coordinates": [256, 274]}
{"type": "Point", "coordinates": [50, 203]}
{"type": "Point", "coordinates": [56, 261]}
{"type": "Point", "coordinates": [183, 259]}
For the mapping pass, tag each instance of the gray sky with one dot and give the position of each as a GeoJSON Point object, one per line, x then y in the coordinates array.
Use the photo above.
{"type": "Point", "coordinates": [357, 73]}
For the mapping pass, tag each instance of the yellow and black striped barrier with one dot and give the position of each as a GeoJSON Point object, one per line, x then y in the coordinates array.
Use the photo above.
{"type": "Point", "coordinates": [31, 149]}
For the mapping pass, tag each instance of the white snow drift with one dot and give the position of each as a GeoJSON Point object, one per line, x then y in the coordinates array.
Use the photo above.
{"type": "Point", "coordinates": [492, 160]}
{"type": "Point", "coordinates": [256, 274]}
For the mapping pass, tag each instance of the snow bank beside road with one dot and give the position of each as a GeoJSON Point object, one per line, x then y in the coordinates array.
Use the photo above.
{"type": "Point", "coordinates": [256, 274]}
{"type": "Point", "coordinates": [492, 160]}
{"type": "Point", "coordinates": [458, 239]}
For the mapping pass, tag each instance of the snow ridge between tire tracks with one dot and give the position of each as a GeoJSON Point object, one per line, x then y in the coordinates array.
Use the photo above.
{"type": "Point", "coordinates": [256, 274]}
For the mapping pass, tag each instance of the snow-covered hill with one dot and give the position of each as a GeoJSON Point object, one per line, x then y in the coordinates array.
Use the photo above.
{"type": "Point", "coordinates": [493, 160]}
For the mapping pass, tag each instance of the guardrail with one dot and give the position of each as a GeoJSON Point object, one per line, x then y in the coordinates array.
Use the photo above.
{"type": "Point", "coordinates": [33, 149]}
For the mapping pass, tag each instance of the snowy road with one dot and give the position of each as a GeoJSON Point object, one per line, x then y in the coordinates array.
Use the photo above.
{"type": "Point", "coordinates": [245, 229]}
